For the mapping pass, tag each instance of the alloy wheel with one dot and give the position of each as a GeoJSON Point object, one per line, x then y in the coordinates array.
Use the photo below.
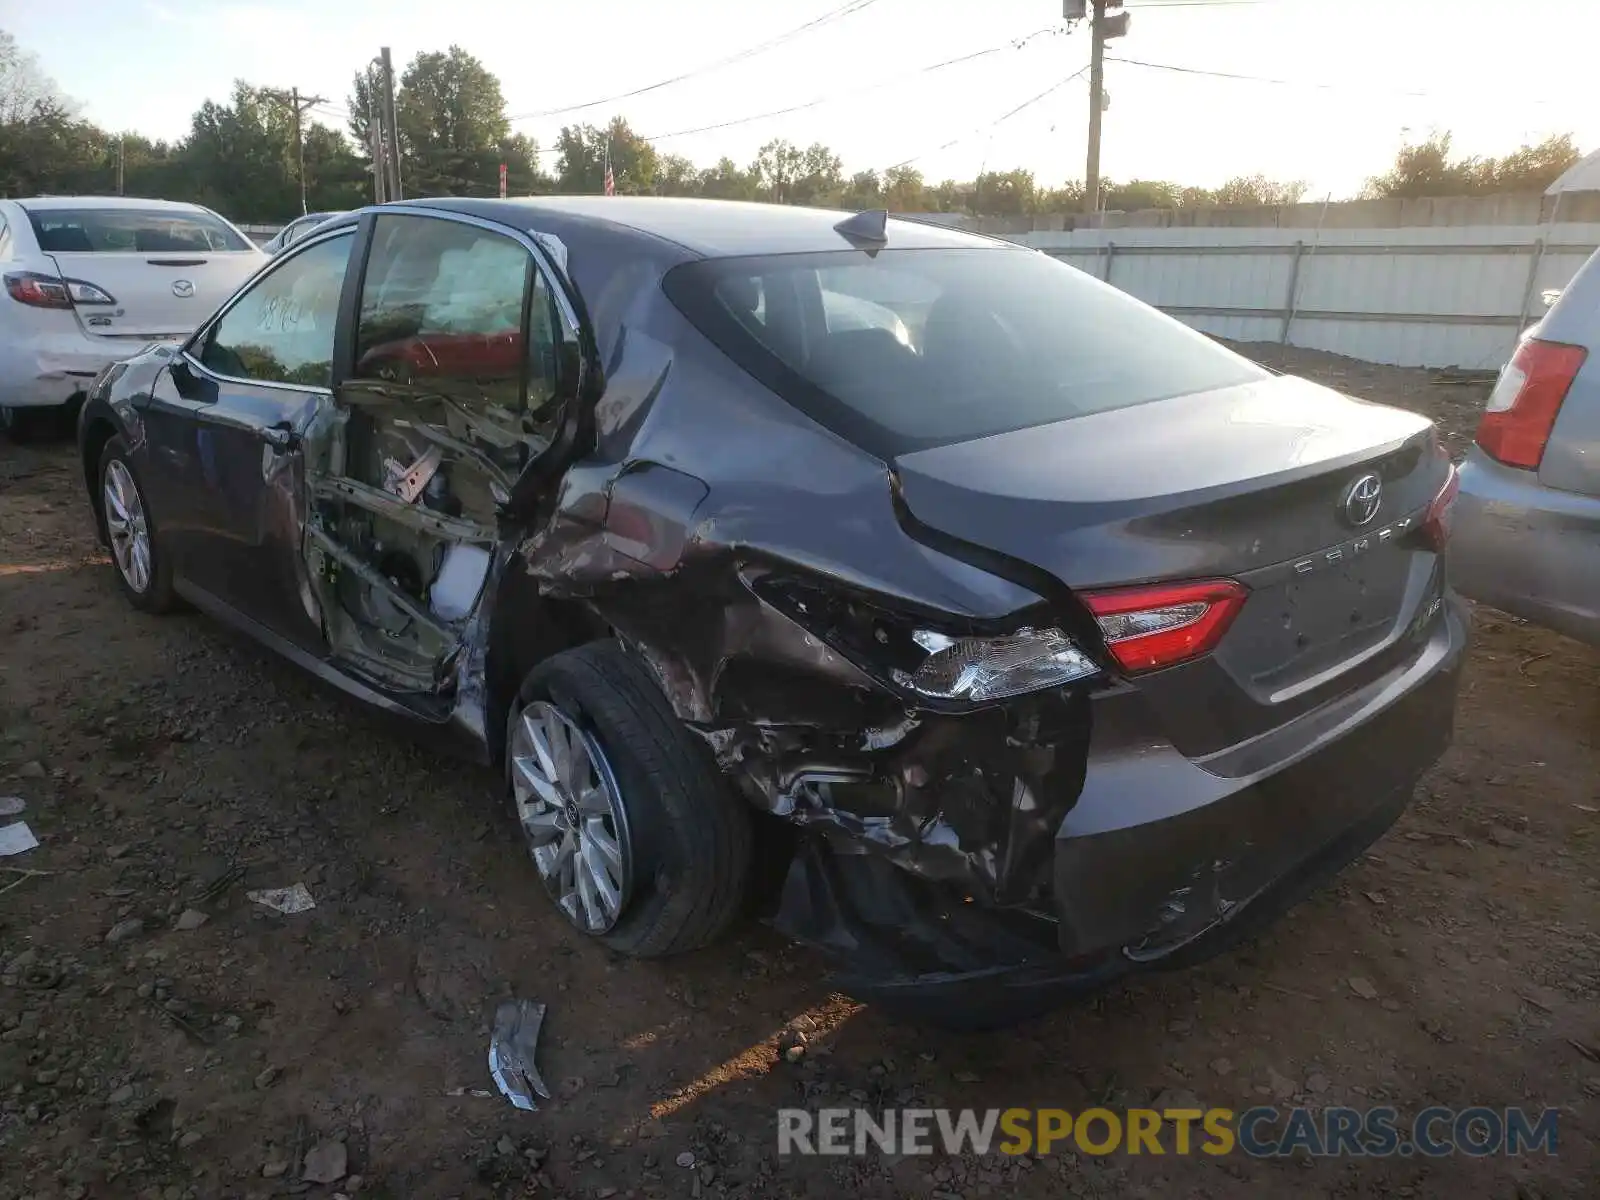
{"type": "Point", "coordinates": [127, 526]}
{"type": "Point", "coordinates": [572, 816]}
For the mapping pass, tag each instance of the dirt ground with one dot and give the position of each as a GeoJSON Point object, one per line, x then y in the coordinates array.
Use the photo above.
{"type": "Point", "coordinates": [161, 1036]}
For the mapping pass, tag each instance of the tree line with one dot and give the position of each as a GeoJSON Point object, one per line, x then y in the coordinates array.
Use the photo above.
{"type": "Point", "coordinates": [239, 157]}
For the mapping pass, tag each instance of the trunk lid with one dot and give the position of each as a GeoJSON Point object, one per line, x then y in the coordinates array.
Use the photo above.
{"type": "Point", "coordinates": [157, 295]}
{"type": "Point", "coordinates": [1253, 483]}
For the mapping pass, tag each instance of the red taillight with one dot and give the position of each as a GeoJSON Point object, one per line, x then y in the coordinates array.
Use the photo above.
{"type": "Point", "coordinates": [1436, 522]}
{"type": "Point", "coordinates": [1523, 406]}
{"type": "Point", "coordinates": [47, 291]}
{"type": "Point", "coordinates": [1147, 628]}
{"type": "Point", "coordinates": [36, 290]}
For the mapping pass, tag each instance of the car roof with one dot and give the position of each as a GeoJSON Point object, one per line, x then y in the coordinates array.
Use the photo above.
{"type": "Point", "coordinates": [46, 203]}
{"type": "Point", "coordinates": [709, 228]}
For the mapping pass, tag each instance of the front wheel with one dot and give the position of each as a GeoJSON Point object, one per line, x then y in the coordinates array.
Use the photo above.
{"type": "Point", "coordinates": [634, 832]}
{"type": "Point", "coordinates": [140, 566]}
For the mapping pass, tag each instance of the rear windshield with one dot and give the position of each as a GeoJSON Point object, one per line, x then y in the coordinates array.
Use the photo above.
{"type": "Point", "coordinates": [122, 230]}
{"type": "Point", "coordinates": [907, 349]}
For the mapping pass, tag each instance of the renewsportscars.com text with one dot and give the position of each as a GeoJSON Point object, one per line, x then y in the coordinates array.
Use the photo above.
{"type": "Point", "coordinates": [1261, 1132]}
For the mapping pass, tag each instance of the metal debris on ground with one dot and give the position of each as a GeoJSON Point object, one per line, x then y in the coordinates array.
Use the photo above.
{"type": "Point", "coordinates": [12, 806]}
{"type": "Point", "coordinates": [289, 900]}
{"type": "Point", "coordinates": [17, 838]}
{"type": "Point", "coordinates": [511, 1053]}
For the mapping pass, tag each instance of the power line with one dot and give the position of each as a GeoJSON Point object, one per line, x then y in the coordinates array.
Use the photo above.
{"type": "Point", "coordinates": [1016, 43]}
{"type": "Point", "coordinates": [1006, 116]}
{"type": "Point", "coordinates": [1363, 87]}
{"type": "Point", "coordinates": [831, 97]}
{"type": "Point", "coordinates": [298, 106]}
{"type": "Point", "coordinates": [838, 14]}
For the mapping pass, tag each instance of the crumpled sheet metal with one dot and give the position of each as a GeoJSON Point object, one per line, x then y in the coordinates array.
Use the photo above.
{"type": "Point", "coordinates": [664, 541]}
{"type": "Point", "coordinates": [289, 901]}
{"type": "Point", "coordinates": [512, 1046]}
{"type": "Point", "coordinates": [973, 800]}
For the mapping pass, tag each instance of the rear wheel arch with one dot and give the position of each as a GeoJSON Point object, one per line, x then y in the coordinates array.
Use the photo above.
{"type": "Point", "coordinates": [96, 434]}
{"type": "Point", "coordinates": [525, 629]}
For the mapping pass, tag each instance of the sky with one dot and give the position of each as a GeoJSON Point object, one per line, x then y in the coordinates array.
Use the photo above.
{"type": "Point", "coordinates": [1339, 85]}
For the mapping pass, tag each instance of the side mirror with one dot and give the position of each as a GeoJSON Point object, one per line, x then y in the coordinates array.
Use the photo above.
{"type": "Point", "coordinates": [182, 376]}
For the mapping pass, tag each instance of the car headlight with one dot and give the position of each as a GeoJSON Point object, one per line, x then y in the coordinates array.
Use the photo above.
{"type": "Point", "coordinates": [978, 669]}
{"type": "Point", "coordinates": [952, 669]}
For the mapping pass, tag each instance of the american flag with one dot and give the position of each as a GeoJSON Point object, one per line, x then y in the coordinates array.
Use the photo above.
{"type": "Point", "coordinates": [611, 183]}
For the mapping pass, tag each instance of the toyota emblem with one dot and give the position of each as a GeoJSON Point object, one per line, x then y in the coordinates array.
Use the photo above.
{"type": "Point", "coordinates": [1362, 500]}
{"type": "Point", "coordinates": [182, 288]}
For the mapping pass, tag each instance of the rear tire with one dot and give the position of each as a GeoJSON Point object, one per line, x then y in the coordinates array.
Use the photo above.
{"type": "Point", "coordinates": [126, 523]}
{"type": "Point", "coordinates": [686, 836]}
{"type": "Point", "coordinates": [25, 425]}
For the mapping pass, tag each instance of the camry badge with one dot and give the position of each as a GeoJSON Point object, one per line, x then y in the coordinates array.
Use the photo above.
{"type": "Point", "coordinates": [1362, 501]}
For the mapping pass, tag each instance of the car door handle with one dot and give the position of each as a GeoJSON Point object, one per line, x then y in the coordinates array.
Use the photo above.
{"type": "Point", "coordinates": [281, 437]}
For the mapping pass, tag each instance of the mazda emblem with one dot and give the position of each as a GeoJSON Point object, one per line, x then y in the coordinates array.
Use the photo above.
{"type": "Point", "coordinates": [1362, 500]}
{"type": "Point", "coordinates": [182, 288]}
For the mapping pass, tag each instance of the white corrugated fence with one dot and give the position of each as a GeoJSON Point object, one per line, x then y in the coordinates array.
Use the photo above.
{"type": "Point", "coordinates": [1422, 297]}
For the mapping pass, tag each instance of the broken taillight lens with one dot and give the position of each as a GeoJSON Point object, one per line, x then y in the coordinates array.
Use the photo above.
{"type": "Point", "coordinates": [978, 670]}
{"type": "Point", "coordinates": [957, 669]}
{"type": "Point", "coordinates": [1527, 397]}
{"type": "Point", "coordinates": [1148, 628]}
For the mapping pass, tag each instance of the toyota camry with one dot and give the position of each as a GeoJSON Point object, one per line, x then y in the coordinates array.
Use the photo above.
{"type": "Point", "coordinates": [978, 623]}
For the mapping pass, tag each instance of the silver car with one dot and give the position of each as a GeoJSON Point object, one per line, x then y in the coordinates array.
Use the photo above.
{"type": "Point", "coordinates": [1527, 537]}
{"type": "Point", "coordinates": [297, 229]}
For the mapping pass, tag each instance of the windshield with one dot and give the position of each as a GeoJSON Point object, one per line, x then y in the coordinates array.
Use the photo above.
{"type": "Point", "coordinates": [907, 349]}
{"type": "Point", "coordinates": [137, 230]}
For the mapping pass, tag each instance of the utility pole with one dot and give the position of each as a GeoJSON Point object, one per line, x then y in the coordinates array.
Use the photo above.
{"type": "Point", "coordinates": [1101, 30]}
{"type": "Point", "coordinates": [299, 108]}
{"type": "Point", "coordinates": [380, 172]}
{"type": "Point", "coordinates": [391, 128]}
{"type": "Point", "coordinates": [121, 161]}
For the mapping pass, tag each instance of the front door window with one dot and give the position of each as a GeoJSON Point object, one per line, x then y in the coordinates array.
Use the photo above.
{"type": "Point", "coordinates": [281, 329]}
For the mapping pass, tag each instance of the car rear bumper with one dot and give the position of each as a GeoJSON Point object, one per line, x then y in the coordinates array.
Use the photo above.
{"type": "Point", "coordinates": [1528, 549]}
{"type": "Point", "coordinates": [1161, 849]}
{"type": "Point", "coordinates": [1162, 861]}
{"type": "Point", "coordinates": [50, 370]}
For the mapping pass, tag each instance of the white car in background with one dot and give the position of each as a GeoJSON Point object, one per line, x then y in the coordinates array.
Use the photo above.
{"type": "Point", "coordinates": [90, 280]}
{"type": "Point", "coordinates": [297, 229]}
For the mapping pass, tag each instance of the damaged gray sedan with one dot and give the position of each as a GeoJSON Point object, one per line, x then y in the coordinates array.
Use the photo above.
{"type": "Point", "coordinates": [975, 622]}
